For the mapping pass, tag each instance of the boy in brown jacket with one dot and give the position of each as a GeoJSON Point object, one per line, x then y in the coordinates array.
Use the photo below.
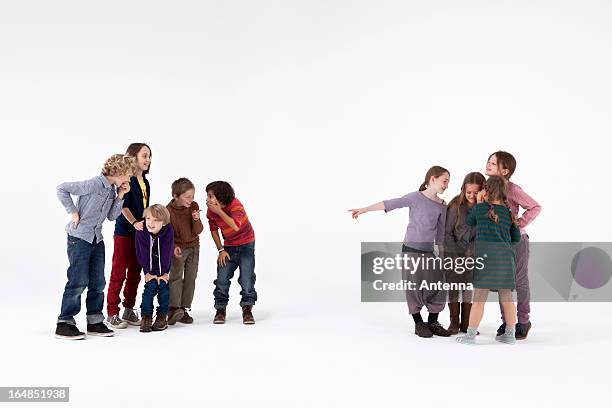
{"type": "Point", "coordinates": [185, 220]}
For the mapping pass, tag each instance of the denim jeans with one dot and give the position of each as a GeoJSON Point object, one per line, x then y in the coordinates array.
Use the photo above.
{"type": "Point", "coordinates": [243, 257]}
{"type": "Point", "coordinates": [152, 288]}
{"type": "Point", "coordinates": [86, 270]}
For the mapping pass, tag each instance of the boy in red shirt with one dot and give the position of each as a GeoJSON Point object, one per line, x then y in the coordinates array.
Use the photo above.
{"type": "Point", "coordinates": [226, 213]}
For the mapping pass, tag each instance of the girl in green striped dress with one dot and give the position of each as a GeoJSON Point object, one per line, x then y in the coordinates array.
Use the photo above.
{"type": "Point", "coordinates": [496, 231]}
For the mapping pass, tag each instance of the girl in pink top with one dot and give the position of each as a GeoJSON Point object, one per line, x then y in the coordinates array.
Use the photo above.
{"type": "Point", "coordinates": [503, 164]}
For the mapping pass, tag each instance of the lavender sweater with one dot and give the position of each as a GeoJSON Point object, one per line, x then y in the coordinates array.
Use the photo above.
{"type": "Point", "coordinates": [426, 221]}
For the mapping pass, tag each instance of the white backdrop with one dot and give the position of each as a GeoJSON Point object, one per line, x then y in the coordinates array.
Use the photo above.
{"type": "Point", "coordinates": [308, 109]}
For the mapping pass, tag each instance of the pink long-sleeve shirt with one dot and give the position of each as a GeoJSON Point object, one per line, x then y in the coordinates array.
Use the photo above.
{"type": "Point", "coordinates": [517, 199]}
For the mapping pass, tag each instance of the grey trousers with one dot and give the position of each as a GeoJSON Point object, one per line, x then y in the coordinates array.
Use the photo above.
{"type": "Point", "coordinates": [183, 276]}
{"type": "Point", "coordinates": [433, 300]}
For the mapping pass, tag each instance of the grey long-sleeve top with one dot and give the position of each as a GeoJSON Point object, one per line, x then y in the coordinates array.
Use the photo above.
{"type": "Point", "coordinates": [426, 220]}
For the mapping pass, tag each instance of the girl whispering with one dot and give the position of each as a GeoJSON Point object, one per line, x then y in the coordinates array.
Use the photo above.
{"type": "Point", "coordinates": [496, 230]}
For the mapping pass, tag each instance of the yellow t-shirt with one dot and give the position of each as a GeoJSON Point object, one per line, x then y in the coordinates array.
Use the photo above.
{"type": "Point", "coordinates": [143, 187]}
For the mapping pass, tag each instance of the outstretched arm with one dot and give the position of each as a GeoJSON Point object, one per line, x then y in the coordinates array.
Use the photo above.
{"type": "Point", "coordinates": [356, 212]}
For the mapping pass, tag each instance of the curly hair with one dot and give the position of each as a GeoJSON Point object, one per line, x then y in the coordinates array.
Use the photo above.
{"type": "Point", "coordinates": [119, 165]}
{"type": "Point", "coordinates": [159, 212]}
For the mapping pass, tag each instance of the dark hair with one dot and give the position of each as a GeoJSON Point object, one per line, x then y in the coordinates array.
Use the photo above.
{"type": "Point", "coordinates": [506, 160]}
{"type": "Point", "coordinates": [435, 171]}
{"type": "Point", "coordinates": [471, 178]}
{"type": "Point", "coordinates": [222, 190]}
{"type": "Point", "coordinates": [180, 186]}
{"type": "Point", "coordinates": [134, 149]}
{"type": "Point", "coordinates": [497, 190]}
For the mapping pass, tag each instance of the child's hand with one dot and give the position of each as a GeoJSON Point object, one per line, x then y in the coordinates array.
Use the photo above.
{"type": "Point", "coordinates": [482, 195]}
{"type": "Point", "coordinates": [196, 215]}
{"type": "Point", "coordinates": [75, 219]}
{"type": "Point", "coordinates": [124, 188]}
{"type": "Point", "coordinates": [148, 277]}
{"type": "Point", "coordinates": [178, 252]}
{"type": "Point", "coordinates": [165, 277]}
{"type": "Point", "coordinates": [357, 212]}
{"type": "Point", "coordinates": [139, 225]}
{"type": "Point", "coordinates": [222, 258]}
{"type": "Point", "coordinates": [214, 207]}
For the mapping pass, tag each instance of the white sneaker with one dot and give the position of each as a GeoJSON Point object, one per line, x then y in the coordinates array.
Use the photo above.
{"type": "Point", "coordinates": [115, 322]}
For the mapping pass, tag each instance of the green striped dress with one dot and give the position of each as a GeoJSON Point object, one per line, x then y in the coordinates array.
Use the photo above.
{"type": "Point", "coordinates": [494, 245]}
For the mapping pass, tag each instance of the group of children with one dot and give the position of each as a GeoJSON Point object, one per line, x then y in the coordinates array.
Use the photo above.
{"type": "Point", "coordinates": [482, 222]}
{"type": "Point", "coordinates": [162, 242]}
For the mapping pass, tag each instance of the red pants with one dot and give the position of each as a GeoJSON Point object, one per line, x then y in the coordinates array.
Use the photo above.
{"type": "Point", "coordinates": [124, 260]}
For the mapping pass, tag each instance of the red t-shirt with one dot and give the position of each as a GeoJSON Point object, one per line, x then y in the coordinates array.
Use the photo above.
{"type": "Point", "coordinates": [235, 210]}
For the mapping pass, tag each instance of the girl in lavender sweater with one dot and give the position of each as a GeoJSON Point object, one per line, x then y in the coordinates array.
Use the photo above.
{"type": "Point", "coordinates": [427, 219]}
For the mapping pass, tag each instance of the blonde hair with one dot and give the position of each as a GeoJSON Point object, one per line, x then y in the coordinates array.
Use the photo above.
{"type": "Point", "coordinates": [159, 212]}
{"type": "Point", "coordinates": [119, 165]}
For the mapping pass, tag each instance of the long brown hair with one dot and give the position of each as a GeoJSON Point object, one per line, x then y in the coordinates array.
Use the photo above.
{"type": "Point", "coordinates": [133, 150]}
{"type": "Point", "coordinates": [497, 190]}
{"type": "Point", "coordinates": [435, 171]}
{"type": "Point", "coordinates": [506, 160]}
{"type": "Point", "coordinates": [459, 200]}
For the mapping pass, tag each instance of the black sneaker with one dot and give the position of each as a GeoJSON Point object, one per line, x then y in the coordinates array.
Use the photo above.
{"type": "Point", "coordinates": [68, 331]}
{"type": "Point", "coordinates": [437, 329]}
{"type": "Point", "coordinates": [99, 329]}
{"type": "Point", "coordinates": [501, 330]}
{"type": "Point", "coordinates": [421, 329]}
{"type": "Point", "coordinates": [522, 330]}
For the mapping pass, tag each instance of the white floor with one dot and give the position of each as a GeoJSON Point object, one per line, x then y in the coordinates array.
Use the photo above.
{"type": "Point", "coordinates": [310, 354]}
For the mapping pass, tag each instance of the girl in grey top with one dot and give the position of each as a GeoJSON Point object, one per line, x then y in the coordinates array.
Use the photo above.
{"type": "Point", "coordinates": [426, 223]}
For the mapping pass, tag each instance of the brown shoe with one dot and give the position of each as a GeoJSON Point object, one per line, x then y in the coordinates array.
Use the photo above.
{"type": "Point", "coordinates": [161, 322]}
{"type": "Point", "coordinates": [421, 329]}
{"type": "Point", "coordinates": [174, 315]}
{"type": "Point", "coordinates": [247, 315]}
{"type": "Point", "coordinates": [219, 316]}
{"type": "Point", "coordinates": [437, 329]}
{"type": "Point", "coordinates": [186, 319]}
{"type": "Point", "coordinates": [145, 325]}
{"type": "Point", "coordinates": [454, 318]}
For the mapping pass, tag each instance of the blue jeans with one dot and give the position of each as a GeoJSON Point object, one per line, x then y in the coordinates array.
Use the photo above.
{"type": "Point", "coordinates": [152, 288]}
{"type": "Point", "coordinates": [243, 257]}
{"type": "Point", "coordinates": [86, 270]}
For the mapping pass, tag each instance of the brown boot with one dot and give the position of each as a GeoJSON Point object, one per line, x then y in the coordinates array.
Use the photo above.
{"type": "Point", "coordinates": [465, 316]}
{"type": "Point", "coordinates": [161, 322]}
{"type": "Point", "coordinates": [186, 319]}
{"type": "Point", "coordinates": [174, 315]}
{"type": "Point", "coordinates": [455, 325]}
{"type": "Point", "coordinates": [247, 315]}
{"type": "Point", "coordinates": [219, 316]}
{"type": "Point", "coordinates": [145, 325]}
